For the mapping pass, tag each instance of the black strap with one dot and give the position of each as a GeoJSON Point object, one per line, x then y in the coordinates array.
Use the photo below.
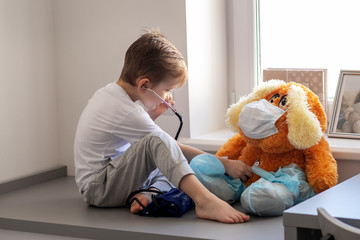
{"type": "Point", "coordinates": [328, 236]}
{"type": "Point", "coordinates": [130, 198]}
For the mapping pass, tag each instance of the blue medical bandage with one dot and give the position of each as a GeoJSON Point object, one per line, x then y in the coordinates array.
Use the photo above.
{"type": "Point", "coordinates": [211, 173]}
{"type": "Point", "coordinates": [275, 192]}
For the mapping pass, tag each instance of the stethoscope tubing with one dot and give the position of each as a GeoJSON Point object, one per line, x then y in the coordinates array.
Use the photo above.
{"type": "Point", "coordinates": [172, 109]}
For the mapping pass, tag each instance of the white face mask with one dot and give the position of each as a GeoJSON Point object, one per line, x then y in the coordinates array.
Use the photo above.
{"type": "Point", "coordinates": [257, 119]}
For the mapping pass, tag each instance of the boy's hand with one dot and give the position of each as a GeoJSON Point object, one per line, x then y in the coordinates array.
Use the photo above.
{"type": "Point", "coordinates": [161, 107]}
{"type": "Point", "coordinates": [236, 168]}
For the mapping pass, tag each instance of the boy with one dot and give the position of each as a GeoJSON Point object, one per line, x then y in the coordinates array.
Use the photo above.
{"type": "Point", "coordinates": [119, 149]}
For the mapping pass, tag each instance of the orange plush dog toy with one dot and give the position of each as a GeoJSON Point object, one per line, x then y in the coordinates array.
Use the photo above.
{"type": "Point", "coordinates": [299, 138]}
{"type": "Point", "coordinates": [280, 133]}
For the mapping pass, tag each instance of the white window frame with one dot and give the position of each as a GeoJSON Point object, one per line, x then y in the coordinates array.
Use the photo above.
{"type": "Point", "coordinates": [243, 73]}
{"type": "Point", "coordinates": [241, 68]}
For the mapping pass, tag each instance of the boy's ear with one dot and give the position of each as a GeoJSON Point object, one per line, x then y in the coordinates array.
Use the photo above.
{"type": "Point", "coordinates": [143, 83]}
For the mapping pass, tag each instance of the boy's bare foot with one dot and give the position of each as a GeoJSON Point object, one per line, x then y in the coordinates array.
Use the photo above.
{"type": "Point", "coordinates": [219, 210]}
{"type": "Point", "coordinates": [207, 205]}
{"type": "Point", "coordinates": [144, 198]}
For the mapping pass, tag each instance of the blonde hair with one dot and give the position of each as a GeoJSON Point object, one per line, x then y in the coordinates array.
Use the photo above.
{"type": "Point", "coordinates": [153, 56]}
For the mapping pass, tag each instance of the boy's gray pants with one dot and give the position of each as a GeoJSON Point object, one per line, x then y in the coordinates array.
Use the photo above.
{"type": "Point", "coordinates": [141, 166]}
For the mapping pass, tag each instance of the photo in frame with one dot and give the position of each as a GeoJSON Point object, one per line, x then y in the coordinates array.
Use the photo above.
{"type": "Point", "coordinates": [345, 120]}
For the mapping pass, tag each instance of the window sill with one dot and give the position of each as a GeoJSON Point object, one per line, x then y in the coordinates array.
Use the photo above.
{"type": "Point", "coordinates": [341, 148]}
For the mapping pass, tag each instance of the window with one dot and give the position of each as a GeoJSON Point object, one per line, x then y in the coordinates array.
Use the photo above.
{"type": "Point", "coordinates": [309, 34]}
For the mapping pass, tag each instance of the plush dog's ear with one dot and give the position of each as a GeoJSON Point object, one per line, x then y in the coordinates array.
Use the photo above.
{"type": "Point", "coordinates": [304, 127]}
{"type": "Point", "coordinates": [232, 114]}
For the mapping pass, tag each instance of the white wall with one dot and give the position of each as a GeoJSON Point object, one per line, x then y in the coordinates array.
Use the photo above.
{"type": "Point", "coordinates": [91, 39]}
{"type": "Point", "coordinates": [28, 123]}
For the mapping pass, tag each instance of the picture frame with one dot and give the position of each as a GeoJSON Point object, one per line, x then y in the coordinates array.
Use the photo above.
{"type": "Point", "coordinates": [312, 78]}
{"type": "Point", "coordinates": [345, 120]}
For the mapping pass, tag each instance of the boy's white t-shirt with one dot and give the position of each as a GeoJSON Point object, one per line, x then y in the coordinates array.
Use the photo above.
{"type": "Point", "coordinates": [109, 124]}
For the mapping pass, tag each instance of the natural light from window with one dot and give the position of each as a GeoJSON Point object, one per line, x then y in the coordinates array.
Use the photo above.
{"type": "Point", "coordinates": [310, 34]}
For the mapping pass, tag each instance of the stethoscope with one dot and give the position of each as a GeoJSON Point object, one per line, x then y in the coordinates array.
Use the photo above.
{"type": "Point", "coordinates": [172, 109]}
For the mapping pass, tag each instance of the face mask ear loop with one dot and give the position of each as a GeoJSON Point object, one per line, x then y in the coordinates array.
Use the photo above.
{"type": "Point", "coordinates": [172, 109]}
{"type": "Point", "coordinates": [283, 121]}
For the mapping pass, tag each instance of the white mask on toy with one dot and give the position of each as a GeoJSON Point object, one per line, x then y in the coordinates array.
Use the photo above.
{"type": "Point", "coordinates": [257, 119]}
